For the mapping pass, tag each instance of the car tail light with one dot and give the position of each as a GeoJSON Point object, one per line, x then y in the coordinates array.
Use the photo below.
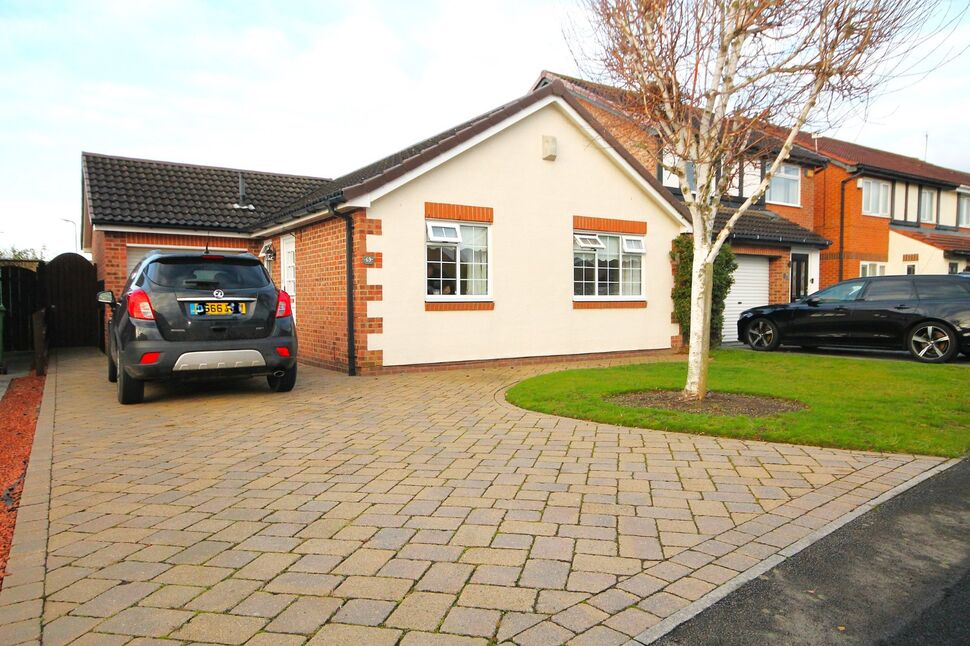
{"type": "Point", "coordinates": [283, 306]}
{"type": "Point", "coordinates": [139, 306]}
{"type": "Point", "coordinates": [150, 357]}
{"type": "Point", "coordinates": [283, 351]}
{"type": "Point", "coordinates": [212, 257]}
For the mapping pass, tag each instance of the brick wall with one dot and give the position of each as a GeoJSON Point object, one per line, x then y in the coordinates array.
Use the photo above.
{"type": "Point", "coordinates": [321, 280]}
{"type": "Point", "coordinates": [866, 237]}
{"type": "Point", "coordinates": [779, 260]}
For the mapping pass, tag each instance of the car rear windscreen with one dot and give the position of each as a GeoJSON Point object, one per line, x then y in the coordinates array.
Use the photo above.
{"type": "Point", "coordinates": [196, 273]}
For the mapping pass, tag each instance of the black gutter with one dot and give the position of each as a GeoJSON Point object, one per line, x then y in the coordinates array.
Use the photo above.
{"type": "Point", "coordinates": [848, 179]}
{"type": "Point", "coordinates": [348, 219]}
{"type": "Point", "coordinates": [885, 173]}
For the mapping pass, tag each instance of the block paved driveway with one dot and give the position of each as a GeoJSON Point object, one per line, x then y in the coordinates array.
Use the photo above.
{"type": "Point", "coordinates": [412, 509]}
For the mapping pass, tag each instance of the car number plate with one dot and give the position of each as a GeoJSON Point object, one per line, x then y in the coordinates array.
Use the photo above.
{"type": "Point", "coordinates": [220, 308]}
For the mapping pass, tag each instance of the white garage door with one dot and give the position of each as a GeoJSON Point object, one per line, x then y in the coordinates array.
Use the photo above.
{"type": "Point", "coordinates": [750, 289]}
{"type": "Point", "coordinates": [135, 254]}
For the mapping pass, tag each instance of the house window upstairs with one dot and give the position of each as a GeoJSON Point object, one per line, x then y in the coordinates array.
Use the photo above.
{"type": "Point", "coordinates": [875, 197]}
{"type": "Point", "coordinates": [963, 211]}
{"type": "Point", "coordinates": [785, 187]}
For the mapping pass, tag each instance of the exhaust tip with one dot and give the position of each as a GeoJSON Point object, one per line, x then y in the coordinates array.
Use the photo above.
{"type": "Point", "coordinates": [279, 373]}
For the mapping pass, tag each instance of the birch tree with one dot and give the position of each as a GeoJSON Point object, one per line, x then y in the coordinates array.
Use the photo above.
{"type": "Point", "coordinates": [722, 82]}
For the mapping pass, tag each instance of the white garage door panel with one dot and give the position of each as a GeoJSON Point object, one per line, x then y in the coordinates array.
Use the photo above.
{"type": "Point", "coordinates": [135, 254]}
{"type": "Point", "coordinates": [750, 289]}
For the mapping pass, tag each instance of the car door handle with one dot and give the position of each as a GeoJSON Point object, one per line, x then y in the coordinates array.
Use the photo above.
{"type": "Point", "coordinates": [903, 307]}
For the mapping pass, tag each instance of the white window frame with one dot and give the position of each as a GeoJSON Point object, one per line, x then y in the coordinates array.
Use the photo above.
{"type": "Point", "coordinates": [963, 210]}
{"type": "Point", "coordinates": [921, 216]}
{"type": "Point", "coordinates": [871, 269]}
{"type": "Point", "coordinates": [882, 189]}
{"type": "Point", "coordinates": [288, 245]}
{"type": "Point", "coordinates": [780, 174]}
{"type": "Point", "coordinates": [444, 239]}
{"type": "Point", "coordinates": [642, 296]}
{"type": "Point", "coordinates": [449, 298]}
{"type": "Point", "coordinates": [633, 245]}
{"type": "Point", "coordinates": [589, 241]}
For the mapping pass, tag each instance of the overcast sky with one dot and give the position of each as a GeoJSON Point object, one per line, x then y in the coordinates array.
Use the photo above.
{"type": "Point", "coordinates": [316, 88]}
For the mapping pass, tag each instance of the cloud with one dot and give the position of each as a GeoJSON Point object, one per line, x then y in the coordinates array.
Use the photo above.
{"type": "Point", "coordinates": [301, 87]}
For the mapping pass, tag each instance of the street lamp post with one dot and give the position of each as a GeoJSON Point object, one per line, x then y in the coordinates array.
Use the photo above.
{"type": "Point", "coordinates": [74, 224]}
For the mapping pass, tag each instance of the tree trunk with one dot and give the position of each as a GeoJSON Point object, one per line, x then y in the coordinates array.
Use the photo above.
{"type": "Point", "coordinates": [702, 284]}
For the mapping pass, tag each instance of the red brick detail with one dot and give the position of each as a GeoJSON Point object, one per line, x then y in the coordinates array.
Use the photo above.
{"type": "Point", "coordinates": [609, 225]}
{"type": "Point", "coordinates": [321, 293]}
{"type": "Point", "coordinates": [608, 305]}
{"type": "Point", "coordinates": [779, 263]}
{"type": "Point", "coordinates": [676, 343]}
{"type": "Point", "coordinates": [866, 237]}
{"type": "Point", "coordinates": [459, 306]}
{"type": "Point", "coordinates": [464, 213]}
{"type": "Point", "coordinates": [910, 257]}
{"type": "Point", "coordinates": [520, 361]}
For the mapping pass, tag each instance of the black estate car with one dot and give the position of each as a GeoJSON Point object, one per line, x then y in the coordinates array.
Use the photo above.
{"type": "Point", "coordinates": [195, 315]}
{"type": "Point", "coordinates": [927, 315]}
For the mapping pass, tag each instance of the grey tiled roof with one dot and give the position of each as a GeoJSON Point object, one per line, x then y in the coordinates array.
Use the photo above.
{"type": "Point", "coordinates": [121, 190]}
{"type": "Point", "coordinates": [765, 227]}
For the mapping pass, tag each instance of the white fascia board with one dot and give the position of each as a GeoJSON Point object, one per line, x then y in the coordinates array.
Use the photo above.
{"type": "Point", "coordinates": [963, 189]}
{"type": "Point", "coordinates": [295, 223]}
{"type": "Point", "coordinates": [174, 232]}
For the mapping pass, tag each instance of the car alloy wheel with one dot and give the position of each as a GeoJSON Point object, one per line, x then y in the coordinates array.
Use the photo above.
{"type": "Point", "coordinates": [931, 342]}
{"type": "Point", "coordinates": [761, 334]}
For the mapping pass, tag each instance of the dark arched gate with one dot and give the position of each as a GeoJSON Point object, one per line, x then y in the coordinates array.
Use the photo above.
{"type": "Point", "coordinates": [71, 288]}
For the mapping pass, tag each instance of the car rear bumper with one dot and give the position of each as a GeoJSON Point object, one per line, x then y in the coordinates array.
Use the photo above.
{"type": "Point", "coordinates": [188, 360]}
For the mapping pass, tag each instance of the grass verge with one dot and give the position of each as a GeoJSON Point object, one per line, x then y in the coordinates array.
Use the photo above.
{"type": "Point", "coordinates": [878, 405]}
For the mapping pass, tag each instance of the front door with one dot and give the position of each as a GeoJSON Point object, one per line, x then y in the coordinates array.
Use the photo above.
{"type": "Point", "coordinates": [288, 269]}
{"type": "Point", "coordinates": [799, 276]}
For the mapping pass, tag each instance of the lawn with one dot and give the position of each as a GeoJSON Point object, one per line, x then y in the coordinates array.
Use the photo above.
{"type": "Point", "coordinates": [870, 404]}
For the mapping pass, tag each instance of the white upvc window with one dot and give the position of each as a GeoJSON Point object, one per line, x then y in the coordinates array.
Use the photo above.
{"type": "Point", "coordinates": [868, 269]}
{"type": "Point", "coordinates": [926, 200]}
{"type": "Point", "coordinates": [613, 272]}
{"type": "Point", "coordinates": [875, 197]}
{"type": "Point", "coordinates": [444, 232]}
{"type": "Point", "coordinates": [588, 241]}
{"type": "Point", "coordinates": [963, 210]}
{"type": "Point", "coordinates": [457, 261]}
{"type": "Point", "coordinates": [785, 186]}
{"type": "Point", "coordinates": [633, 245]}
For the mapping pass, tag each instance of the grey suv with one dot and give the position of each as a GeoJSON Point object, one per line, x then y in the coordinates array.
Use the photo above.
{"type": "Point", "coordinates": [194, 315]}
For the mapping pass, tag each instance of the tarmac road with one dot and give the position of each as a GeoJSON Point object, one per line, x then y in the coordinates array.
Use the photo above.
{"type": "Point", "coordinates": [899, 574]}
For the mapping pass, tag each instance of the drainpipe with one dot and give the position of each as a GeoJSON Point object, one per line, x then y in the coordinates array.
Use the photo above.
{"type": "Point", "coordinates": [348, 219]}
{"type": "Point", "coordinates": [848, 179]}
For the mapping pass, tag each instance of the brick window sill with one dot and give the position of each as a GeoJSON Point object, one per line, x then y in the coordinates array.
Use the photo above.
{"type": "Point", "coordinates": [608, 305]}
{"type": "Point", "coordinates": [458, 306]}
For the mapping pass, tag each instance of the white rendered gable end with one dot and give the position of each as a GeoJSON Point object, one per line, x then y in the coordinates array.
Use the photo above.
{"type": "Point", "coordinates": [365, 200]}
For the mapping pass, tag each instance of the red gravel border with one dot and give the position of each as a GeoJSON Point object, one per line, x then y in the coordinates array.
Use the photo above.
{"type": "Point", "coordinates": [19, 409]}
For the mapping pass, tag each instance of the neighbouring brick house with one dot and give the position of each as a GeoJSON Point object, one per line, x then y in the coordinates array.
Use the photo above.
{"type": "Point", "coordinates": [888, 213]}
{"type": "Point", "coordinates": [778, 252]}
{"type": "Point", "coordinates": [529, 231]}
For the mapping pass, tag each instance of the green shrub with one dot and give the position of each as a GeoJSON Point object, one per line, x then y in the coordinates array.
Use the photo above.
{"type": "Point", "coordinates": [724, 266]}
